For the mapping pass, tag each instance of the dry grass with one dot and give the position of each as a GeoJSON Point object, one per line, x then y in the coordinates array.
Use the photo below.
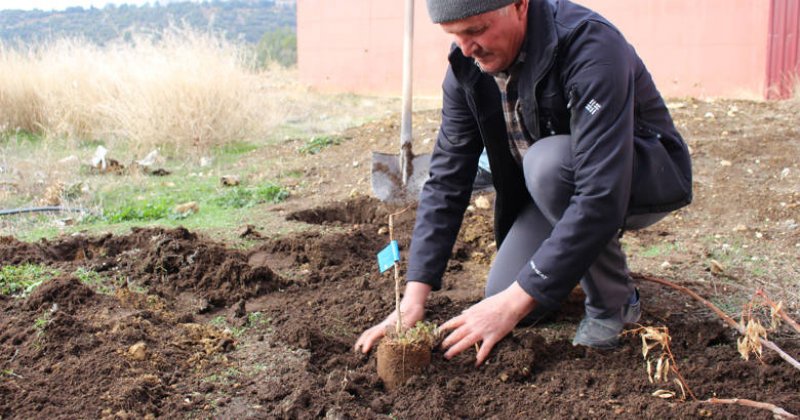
{"type": "Point", "coordinates": [187, 90]}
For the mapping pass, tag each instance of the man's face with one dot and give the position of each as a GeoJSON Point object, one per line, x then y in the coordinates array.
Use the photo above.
{"type": "Point", "coordinates": [492, 39]}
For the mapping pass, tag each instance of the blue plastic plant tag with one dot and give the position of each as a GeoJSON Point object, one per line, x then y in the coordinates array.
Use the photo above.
{"type": "Point", "coordinates": [388, 256]}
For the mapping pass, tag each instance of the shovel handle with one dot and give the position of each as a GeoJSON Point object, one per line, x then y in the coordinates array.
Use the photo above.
{"type": "Point", "coordinates": [408, 45]}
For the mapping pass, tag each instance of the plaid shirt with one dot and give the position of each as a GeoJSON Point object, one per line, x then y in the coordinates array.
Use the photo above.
{"type": "Point", "coordinates": [507, 82]}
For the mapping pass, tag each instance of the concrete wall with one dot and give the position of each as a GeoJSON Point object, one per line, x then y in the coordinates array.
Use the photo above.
{"type": "Point", "coordinates": [703, 48]}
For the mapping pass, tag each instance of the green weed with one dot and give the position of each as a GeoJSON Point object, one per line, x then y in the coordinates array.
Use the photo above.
{"type": "Point", "coordinates": [317, 144]}
{"type": "Point", "coordinates": [657, 250]}
{"type": "Point", "coordinates": [41, 323]}
{"type": "Point", "coordinates": [135, 211]}
{"type": "Point", "coordinates": [244, 197]}
{"type": "Point", "coordinates": [259, 320]}
{"type": "Point", "coordinates": [223, 377]}
{"type": "Point", "coordinates": [21, 280]}
{"type": "Point", "coordinates": [237, 148]}
{"type": "Point", "coordinates": [296, 173]}
{"type": "Point", "coordinates": [221, 323]}
{"type": "Point", "coordinates": [20, 137]}
{"type": "Point", "coordinates": [94, 280]}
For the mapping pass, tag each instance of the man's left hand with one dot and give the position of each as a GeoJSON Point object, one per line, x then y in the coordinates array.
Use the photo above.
{"type": "Point", "coordinates": [487, 322]}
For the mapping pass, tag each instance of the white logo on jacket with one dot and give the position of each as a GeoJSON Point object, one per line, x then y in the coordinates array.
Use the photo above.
{"type": "Point", "coordinates": [593, 106]}
{"type": "Point", "coordinates": [536, 270]}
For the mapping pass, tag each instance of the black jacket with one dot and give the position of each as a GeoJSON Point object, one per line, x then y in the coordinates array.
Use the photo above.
{"type": "Point", "coordinates": [580, 77]}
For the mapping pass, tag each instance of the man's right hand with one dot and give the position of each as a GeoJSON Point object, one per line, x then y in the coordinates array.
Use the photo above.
{"type": "Point", "coordinates": [413, 308]}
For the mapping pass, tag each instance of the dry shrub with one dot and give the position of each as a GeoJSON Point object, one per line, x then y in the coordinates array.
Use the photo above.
{"type": "Point", "coordinates": [184, 90]}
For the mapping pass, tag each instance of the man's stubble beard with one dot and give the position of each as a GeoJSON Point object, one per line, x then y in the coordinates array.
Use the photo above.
{"type": "Point", "coordinates": [483, 70]}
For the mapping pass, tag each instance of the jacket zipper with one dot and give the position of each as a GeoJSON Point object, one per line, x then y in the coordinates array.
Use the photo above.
{"type": "Point", "coordinates": [535, 134]}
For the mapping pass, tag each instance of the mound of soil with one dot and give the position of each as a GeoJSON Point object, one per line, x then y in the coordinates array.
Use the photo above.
{"type": "Point", "coordinates": [193, 328]}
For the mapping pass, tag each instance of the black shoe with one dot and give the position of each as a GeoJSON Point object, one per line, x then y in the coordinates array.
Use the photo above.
{"type": "Point", "coordinates": [483, 181]}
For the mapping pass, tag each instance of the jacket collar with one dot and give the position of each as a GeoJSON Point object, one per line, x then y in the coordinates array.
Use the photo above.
{"type": "Point", "coordinates": [541, 43]}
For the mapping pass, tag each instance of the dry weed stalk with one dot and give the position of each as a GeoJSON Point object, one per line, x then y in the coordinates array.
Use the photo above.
{"type": "Point", "coordinates": [399, 325]}
{"type": "Point", "coordinates": [727, 319]}
{"type": "Point", "coordinates": [777, 412]}
{"type": "Point", "coordinates": [186, 89]}
{"type": "Point", "coordinates": [653, 337]}
{"type": "Point", "coordinates": [776, 312]}
{"type": "Point", "coordinates": [658, 337]}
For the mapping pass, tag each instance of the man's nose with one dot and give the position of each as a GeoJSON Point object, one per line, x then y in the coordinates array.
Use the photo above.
{"type": "Point", "coordinates": [467, 45]}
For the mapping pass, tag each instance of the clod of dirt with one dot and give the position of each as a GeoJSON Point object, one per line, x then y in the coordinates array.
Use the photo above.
{"type": "Point", "coordinates": [397, 362]}
{"type": "Point", "coordinates": [138, 351]}
{"type": "Point", "coordinates": [67, 292]}
{"type": "Point", "coordinates": [248, 231]}
{"type": "Point", "coordinates": [359, 210]}
{"type": "Point", "coordinates": [177, 260]}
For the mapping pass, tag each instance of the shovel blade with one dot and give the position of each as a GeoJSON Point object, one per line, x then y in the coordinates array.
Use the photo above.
{"type": "Point", "coordinates": [387, 177]}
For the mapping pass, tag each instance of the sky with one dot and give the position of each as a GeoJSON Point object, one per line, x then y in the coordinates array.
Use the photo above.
{"type": "Point", "coordinates": [63, 4]}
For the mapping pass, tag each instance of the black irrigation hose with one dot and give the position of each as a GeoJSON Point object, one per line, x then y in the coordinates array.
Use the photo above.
{"type": "Point", "coordinates": [9, 212]}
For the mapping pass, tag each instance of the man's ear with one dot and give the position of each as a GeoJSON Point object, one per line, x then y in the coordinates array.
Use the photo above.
{"type": "Point", "coordinates": [521, 7]}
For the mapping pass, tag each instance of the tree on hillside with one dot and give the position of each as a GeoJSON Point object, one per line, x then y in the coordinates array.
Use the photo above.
{"type": "Point", "coordinates": [278, 45]}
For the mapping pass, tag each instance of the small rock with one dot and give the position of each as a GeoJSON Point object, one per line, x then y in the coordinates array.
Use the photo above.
{"type": "Point", "coordinates": [70, 160]}
{"type": "Point", "coordinates": [138, 351]}
{"type": "Point", "coordinates": [785, 172]}
{"type": "Point", "coordinates": [709, 115]}
{"type": "Point", "coordinates": [665, 265]}
{"type": "Point", "coordinates": [759, 235]}
{"type": "Point", "coordinates": [739, 228]}
{"type": "Point", "coordinates": [383, 230]}
{"type": "Point", "coordinates": [230, 180]}
{"type": "Point", "coordinates": [190, 207]}
{"type": "Point", "coordinates": [380, 405]}
{"type": "Point", "coordinates": [248, 231]}
{"type": "Point", "coordinates": [483, 203]}
{"type": "Point", "coordinates": [66, 222]}
{"type": "Point", "coordinates": [716, 267]}
{"type": "Point", "coordinates": [725, 163]}
{"type": "Point", "coordinates": [239, 309]}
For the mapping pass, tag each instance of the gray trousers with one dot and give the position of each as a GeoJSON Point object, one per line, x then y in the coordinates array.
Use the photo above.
{"type": "Point", "coordinates": [548, 176]}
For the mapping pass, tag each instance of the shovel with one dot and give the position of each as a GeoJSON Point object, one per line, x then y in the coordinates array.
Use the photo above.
{"type": "Point", "coordinates": [399, 179]}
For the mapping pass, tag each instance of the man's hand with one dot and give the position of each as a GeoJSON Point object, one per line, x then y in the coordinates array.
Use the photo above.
{"type": "Point", "coordinates": [413, 308]}
{"type": "Point", "coordinates": [488, 321]}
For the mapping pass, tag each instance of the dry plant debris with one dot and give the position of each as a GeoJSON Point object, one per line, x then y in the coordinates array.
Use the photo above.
{"type": "Point", "coordinates": [728, 320]}
{"type": "Point", "coordinates": [658, 338]}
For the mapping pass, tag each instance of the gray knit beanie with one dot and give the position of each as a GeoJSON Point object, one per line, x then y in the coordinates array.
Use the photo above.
{"type": "Point", "coordinates": [450, 10]}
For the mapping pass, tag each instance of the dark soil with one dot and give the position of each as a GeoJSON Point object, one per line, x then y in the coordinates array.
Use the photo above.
{"type": "Point", "coordinates": [188, 327]}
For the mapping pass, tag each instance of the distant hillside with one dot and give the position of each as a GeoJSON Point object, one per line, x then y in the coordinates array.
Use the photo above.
{"type": "Point", "coordinates": [246, 20]}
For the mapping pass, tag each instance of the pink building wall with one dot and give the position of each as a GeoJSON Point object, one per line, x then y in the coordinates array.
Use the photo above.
{"type": "Point", "coordinates": [702, 48]}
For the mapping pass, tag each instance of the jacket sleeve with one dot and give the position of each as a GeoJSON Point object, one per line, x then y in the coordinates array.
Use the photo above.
{"type": "Point", "coordinates": [446, 194]}
{"type": "Point", "coordinates": [598, 76]}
